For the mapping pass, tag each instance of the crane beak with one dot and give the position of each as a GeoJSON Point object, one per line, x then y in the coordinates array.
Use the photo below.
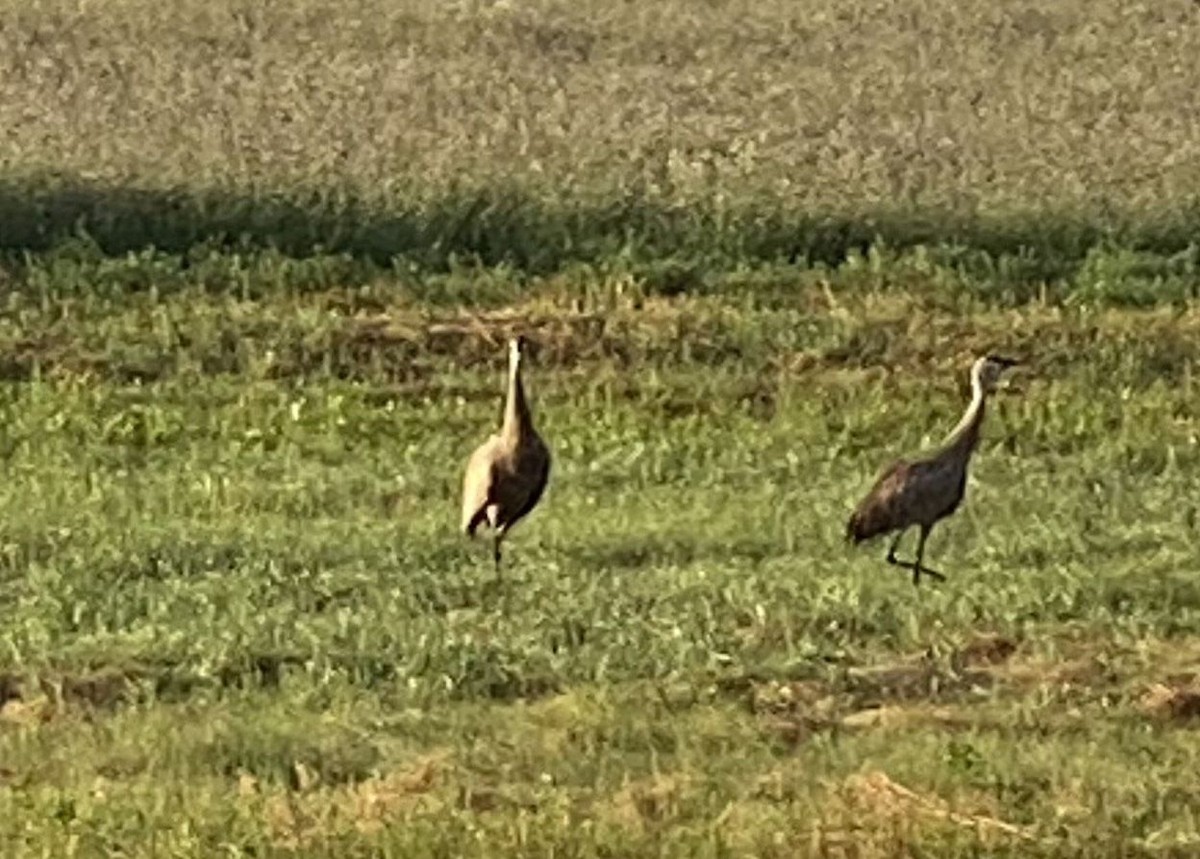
{"type": "Point", "coordinates": [1011, 382]}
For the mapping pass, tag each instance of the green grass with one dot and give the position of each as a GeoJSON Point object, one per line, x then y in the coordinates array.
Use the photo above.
{"type": "Point", "coordinates": [240, 567]}
{"type": "Point", "coordinates": [256, 271]}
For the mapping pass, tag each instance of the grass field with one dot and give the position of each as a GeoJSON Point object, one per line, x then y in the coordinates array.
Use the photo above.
{"type": "Point", "coordinates": [258, 262]}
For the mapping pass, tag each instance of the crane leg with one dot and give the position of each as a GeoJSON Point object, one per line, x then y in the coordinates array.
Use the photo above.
{"type": "Point", "coordinates": [920, 555]}
{"type": "Point", "coordinates": [916, 567]}
{"type": "Point", "coordinates": [496, 554]}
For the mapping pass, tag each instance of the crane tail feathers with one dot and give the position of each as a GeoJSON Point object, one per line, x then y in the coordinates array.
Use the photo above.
{"type": "Point", "coordinates": [880, 510]}
{"type": "Point", "coordinates": [472, 522]}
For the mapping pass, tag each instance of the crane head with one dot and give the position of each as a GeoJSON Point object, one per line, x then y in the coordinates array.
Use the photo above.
{"type": "Point", "coordinates": [521, 349]}
{"type": "Point", "coordinates": [987, 370]}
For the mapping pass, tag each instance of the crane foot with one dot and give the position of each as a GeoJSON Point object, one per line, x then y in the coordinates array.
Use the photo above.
{"type": "Point", "coordinates": [916, 571]}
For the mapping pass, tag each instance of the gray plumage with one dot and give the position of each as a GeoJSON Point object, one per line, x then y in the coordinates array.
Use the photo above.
{"type": "Point", "coordinates": [924, 491]}
{"type": "Point", "coordinates": [506, 475]}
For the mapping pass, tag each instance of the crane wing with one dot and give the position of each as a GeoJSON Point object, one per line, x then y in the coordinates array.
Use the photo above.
{"type": "Point", "coordinates": [909, 493]}
{"type": "Point", "coordinates": [534, 489]}
{"type": "Point", "coordinates": [881, 509]}
{"type": "Point", "coordinates": [477, 485]}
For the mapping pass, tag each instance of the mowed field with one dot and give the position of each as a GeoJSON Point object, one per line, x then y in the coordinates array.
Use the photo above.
{"type": "Point", "coordinates": [258, 262]}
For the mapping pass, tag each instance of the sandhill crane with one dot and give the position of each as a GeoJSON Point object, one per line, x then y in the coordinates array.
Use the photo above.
{"type": "Point", "coordinates": [506, 474]}
{"type": "Point", "coordinates": [924, 491]}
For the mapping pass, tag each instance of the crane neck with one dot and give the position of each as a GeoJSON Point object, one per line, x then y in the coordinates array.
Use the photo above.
{"type": "Point", "coordinates": [517, 418]}
{"type": "Point", "coordinates": [963, 438]}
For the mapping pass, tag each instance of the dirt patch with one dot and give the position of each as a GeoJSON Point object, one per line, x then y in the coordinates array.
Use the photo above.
{"type": "Point", "coordinates": [874, 795]}
{"type": "Point", "coordinates": [1168, 702]}
{"type": "Point", "coordinates": [645, 802]}
{"type": "Point", "coordinates": [299, 818]}
{"type": "Point", "coordinates": [103, 689]}
{"type": "Point", "coordinates": [57, 355]}
{"type": "Point", "coordinates": [477, 338]}
{"type": "Point", "coordinates": [987, 649]}
{"type": "Point", "coordinates": [870, 814]}
{"type": "Point", "coordinates": [792, 711]}
{"type": "Point", "coordinates": [40, 699]}
{"type": "Point", "coordinates": [953, 693]}
{"type": "Point", "coordinates": [48, 354]}
{"type": "Point", "coordinates": [913, 691]}
{"type": "Point", "coordinates": [1077, 666]}
{"type": "Point", "coordinates": [790, 696]}
{"type": "Point", "coordinates": [899, 717]}
{"type": "Point", "coordinates": [19, 711]}
{"type": "Point", "coordinates": [916, 679]}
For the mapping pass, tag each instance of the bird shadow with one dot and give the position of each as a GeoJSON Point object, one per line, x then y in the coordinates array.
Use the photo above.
{"type": "Point", "coordinates": [485, 591]}
{"type": "Point", "coordinates": [627, 556]}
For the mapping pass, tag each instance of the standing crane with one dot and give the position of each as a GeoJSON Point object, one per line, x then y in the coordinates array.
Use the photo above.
{"type": "Point", "coordinates": [507, 474]}
{"type": "Point", "coordinates": [924, 491]}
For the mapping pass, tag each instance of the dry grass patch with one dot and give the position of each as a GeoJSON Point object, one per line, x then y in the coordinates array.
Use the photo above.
{"type": "Point", "coordinates": [1086, 666]}
{"type": "Point", "coordinates": [987, 649]}
{"type": "Point", "coordinates": [893, 717]}
{"type": "Point", "coordinates": [945, 104]}
{"type": "Point", "coordinates": [865, 815]}
{"type": "Point", "coordinates": [1172, 703]}
{"type": "Point", "coordinates": [645, 803]}
{"type": "Point", "coordinates": [793, 711]}
{"type": "Point", "coordinates": [309, 815]}
{"type": "Point", "coordinates": [31, 700]}
{"type": "Point", "coordinates": [24, 712]}
{"type": "Point", "coordinates": [874, 795]}
{"type": "Point", "coordinates": [968, 689]}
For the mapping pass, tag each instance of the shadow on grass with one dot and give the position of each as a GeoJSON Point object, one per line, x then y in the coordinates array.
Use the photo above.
{"type": "Point", "coordinates": [536, 234]}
